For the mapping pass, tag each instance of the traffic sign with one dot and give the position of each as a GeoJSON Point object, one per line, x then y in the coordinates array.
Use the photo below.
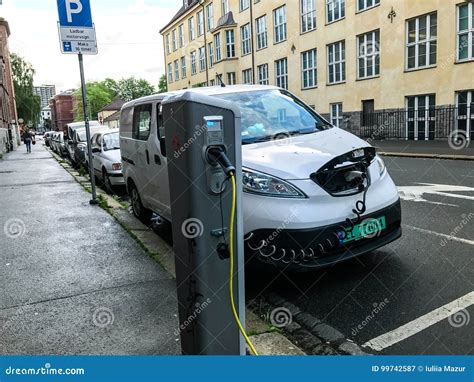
{"type": "Point", "coordinates": [76, 29]}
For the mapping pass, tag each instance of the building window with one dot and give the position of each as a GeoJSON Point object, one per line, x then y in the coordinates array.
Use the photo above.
{"type": "Point", "coordinates": [183, 67]}
{"type": "Point", "coordinates": [244, 4]}
{"type": "Point", "coordinates": [193, 63]}
{"type": "Point", "coordinates": [336, 62]}
{"type": "Point", "coordinates": [308, 69]}
{"type": "Point", "coordinates": [308, 15]}
{"type": "Point", "coordinates": [202, 59]}
{"type": "Point", "coordinates": [465, 38]}
{"type": "Point", "coordinates": [263, 74]}
{"type": "Point", "coordinates": [245, 37]}
{"type": "Point", "coordinates": [210, 17]}
{"type": "Point", "coordinates": [192, 33]}
{"type": "Point", "coordinates": [335, 10]}
{"type": "Point", "coordinates": [231, 78]}
{"type": "Point", "coordinates": [247, 77]}
{"type": "Point", "coordinates": [175, 40]}
{"type": "Point", "coordinates": [176, 70]}
{"type": "Point", "coordinates": [181, 35]}
{"type": "Point", "coordinates": [200, 20]}
{"type": "Point", "coordinates": [168, 44]}
{"type": "Point", "coordinates": [281, 73]}
{"type": "Point", "coordinates": [210, 48]}
{"type": "Point", "coordinates": [262, 33]}
{"type": "Point", "coordinates": [465, 113]}
{"type": "Point", "coordinates": [217, 43]}
{"type": "Point", "coordinates": [362, 5]}
{"type": "Point", "coordinates": [225, 7]}
{"type": "Point", "coordinates": [279, 22]}
{"type": "Point", "coordinates": [230, 43]}
{"type": "Point", "coordinates": [213, 82]}
{"type": "Point", "coordinates": [421, 41]}
{"type": "Point", "coordinates": [336, 114]}
{"type": "Point", "coordinates": [421, 117]}
{"type": "Point", "coordinates": [170, 72]}
{"type": "Point", "coordinates": [368, 54]}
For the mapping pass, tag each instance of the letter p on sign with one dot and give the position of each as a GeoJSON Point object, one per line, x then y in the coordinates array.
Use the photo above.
{"type": "Point", "coordinates": [70, 10]}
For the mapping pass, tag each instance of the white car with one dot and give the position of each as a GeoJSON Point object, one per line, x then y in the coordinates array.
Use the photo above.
{"type": "Point", "coordinates": [314, 194]}
{"type": "Point", "coordinates": [106, 158]}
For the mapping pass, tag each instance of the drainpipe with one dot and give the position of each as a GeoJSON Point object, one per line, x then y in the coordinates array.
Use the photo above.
{"type": "Point", "coordinates": [201, 2]}
{"type": "Point", "coordinates": [251, 42]}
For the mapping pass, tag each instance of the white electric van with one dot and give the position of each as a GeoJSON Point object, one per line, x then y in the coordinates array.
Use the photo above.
{"type": "Point", "coordinates": [314, 194]}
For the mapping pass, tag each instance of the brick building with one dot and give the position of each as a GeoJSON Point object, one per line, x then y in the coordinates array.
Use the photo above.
{"type": "Point", "coordinates": [9, 135]}
{"type": "Point", "coordinates": [62, 110]}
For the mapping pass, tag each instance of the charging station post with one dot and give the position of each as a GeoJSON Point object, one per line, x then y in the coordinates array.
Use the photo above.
{"type": "Point", "coordinates": [203, 146]}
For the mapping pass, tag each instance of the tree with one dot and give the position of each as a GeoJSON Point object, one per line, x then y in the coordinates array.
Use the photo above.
{"type": "Point", "coordinates": [27, 103]}
{"type": "Point", "coordinates": [163, 85]}
{"type": "Point", "coordinates": [132, 88]}
{"type": "Point", "coordinates": [99, 94]}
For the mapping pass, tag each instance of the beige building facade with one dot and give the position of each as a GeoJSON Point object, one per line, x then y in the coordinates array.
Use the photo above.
{"type": "Point", "coordinates": [345, 58]}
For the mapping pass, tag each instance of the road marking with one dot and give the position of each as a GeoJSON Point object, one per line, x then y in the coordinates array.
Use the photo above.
{"type": "Point", "coordinates": [403, 332]}
{"type": "Point", "coordinates": [416, 193]}
{"type": "Point", "coordinates": [448, 237]}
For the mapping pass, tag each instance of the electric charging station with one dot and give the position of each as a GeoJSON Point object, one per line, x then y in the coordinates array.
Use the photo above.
{"type": "Point", "coordinates": [203, 146]}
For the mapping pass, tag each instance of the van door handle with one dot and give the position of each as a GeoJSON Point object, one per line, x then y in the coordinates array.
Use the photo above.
{"type": "Point", "coordinates": [157, 160]}
{"type": "Point", "coordinates": [147, 156]}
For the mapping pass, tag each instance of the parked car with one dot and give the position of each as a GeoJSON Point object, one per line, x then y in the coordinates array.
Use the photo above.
{"type": "Point", "coordinates": [106, 158]}
{"type": "Point", "coordinates": [323, 190]}
{"type": "Point", "coordinates": [47, 137]}
{"type": "Point", "coordinates": [59, 144]}
{"type": "Point", "coordinates": [72, 128]}
{"type": "Point", "coordinates": [78, 147]}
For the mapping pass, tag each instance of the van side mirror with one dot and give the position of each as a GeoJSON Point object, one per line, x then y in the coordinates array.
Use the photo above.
{"type": "Point", "coordinates": [95, 150]}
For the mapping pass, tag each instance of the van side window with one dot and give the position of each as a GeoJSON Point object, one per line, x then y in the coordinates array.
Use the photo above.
{"type": "Point", "coordinates": [142, 122]}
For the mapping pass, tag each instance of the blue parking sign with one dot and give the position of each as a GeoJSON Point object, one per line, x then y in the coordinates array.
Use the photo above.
{"type": "Point", "coordinates": [74, 13]}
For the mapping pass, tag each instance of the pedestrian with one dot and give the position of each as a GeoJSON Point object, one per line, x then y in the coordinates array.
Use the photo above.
{"type": "Point", "coordinates": [27, 138]}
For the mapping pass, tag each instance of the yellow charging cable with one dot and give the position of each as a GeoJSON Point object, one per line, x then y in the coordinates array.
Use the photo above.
{"type": "Point", "coordinates": [231, 277]}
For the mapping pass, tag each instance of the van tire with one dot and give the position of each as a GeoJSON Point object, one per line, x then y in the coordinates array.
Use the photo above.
{"type": "Point", "coordinates": [140, 212]}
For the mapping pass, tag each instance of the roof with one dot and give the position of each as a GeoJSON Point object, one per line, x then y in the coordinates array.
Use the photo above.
{"type": "Point", "coordinates": [209, 90]}
{"type": "Point", "coordinates": [115, 105]}
{"type": "Point", "coordinates": [113, 117]}
{"type": "Point", "coordinates": [182, 11]}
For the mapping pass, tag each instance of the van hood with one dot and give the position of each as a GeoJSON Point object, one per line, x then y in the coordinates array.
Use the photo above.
{"type": "Point", "coordinates": [299, 156]}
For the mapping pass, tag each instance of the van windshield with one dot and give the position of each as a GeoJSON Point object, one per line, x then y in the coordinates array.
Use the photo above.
{"type": "Point", "coordinates": [273, 114]}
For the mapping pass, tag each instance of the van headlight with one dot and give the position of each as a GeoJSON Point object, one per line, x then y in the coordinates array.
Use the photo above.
{"type": "Point", "coordinates": [381, 165]}
{"type": "Point", "coordinates": [255, 182]}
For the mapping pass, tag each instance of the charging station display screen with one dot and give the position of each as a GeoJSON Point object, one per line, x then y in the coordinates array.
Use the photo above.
{"type": "Point", "coordinates": [214, 125]}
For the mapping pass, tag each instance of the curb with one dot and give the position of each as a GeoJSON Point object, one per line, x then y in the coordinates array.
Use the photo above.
{"type": "Point", "coordinates": [308, 332]}
{"type": "Point", "coordinates": [428, 156]}
{"type": "Point", "coordinates": [267, 341]}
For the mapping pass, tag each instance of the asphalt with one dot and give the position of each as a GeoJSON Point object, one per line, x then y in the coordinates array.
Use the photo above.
{"type": "Point", "coordinates": [427, 148]}
{"type": "Point", "coordinates": [72, 280]}
{"type": "Point", "coordinates": [411, 277]}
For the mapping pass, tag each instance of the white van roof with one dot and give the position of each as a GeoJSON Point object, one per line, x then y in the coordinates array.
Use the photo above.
{"type": "Point", "coordinates": [209, 91]}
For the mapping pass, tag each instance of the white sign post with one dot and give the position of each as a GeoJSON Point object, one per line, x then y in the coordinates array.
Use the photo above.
{"type": "Point", "coordinates": [77, 36]}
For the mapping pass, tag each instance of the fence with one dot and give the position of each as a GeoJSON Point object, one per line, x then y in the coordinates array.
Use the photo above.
{"type": "Point", "coordinates": [430, 123]}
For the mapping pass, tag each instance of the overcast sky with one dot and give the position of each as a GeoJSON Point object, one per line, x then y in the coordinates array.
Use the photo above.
{"type": "Point", "coordinates": [127, 33]}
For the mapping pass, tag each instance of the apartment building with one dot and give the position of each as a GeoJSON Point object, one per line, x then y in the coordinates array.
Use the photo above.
{"type": "Point", "coordinates": [403, 60]}
{"type": "Point", "coordinates": [45, 92]}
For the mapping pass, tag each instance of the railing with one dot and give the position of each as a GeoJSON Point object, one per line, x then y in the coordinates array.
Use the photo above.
{"type": "Point", "coordinates": [429, 123]}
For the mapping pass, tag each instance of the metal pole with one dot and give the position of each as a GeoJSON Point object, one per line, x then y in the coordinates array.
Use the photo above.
{"type": "Point", "coordinates": [93, 201]}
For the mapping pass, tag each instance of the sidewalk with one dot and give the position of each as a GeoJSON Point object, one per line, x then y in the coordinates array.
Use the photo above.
{"type": "Point", "coordinates": [423, 149]}
{"type": "Point", "coordinates": [72, 280]}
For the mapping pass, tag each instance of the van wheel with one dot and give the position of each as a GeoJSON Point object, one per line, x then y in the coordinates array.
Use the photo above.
{"type": "Point", "coordinates": [142, 213]}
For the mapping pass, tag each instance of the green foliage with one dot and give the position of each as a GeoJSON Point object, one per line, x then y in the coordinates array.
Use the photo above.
{"type": "Point", "coordinates": [132, 88]}
{"type": "Point", "coordinates": [99, 94]}
{"type": "Point", "coordinates": [28, 105]}
{"type": "Point", "coordinates": [163, 84]}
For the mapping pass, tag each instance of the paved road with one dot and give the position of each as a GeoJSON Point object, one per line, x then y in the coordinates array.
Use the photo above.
{"type": "Point", "coordinates": [72, 281]}
{"type": "Point", "coordinates": [408, 280]}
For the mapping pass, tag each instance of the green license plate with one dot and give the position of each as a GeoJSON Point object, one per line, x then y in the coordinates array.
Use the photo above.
{"type": "Point", "coordinates": [367, 229]}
